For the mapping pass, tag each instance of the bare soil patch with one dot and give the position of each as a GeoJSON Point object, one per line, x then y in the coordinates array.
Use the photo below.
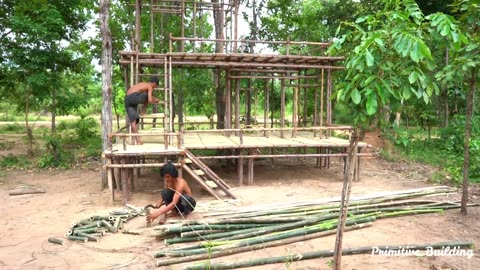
{"type": "Point", "coordinates": [29, 220]}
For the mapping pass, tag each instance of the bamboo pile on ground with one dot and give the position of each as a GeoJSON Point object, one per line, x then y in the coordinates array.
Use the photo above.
{"type": "Point", "coordinates": [224, 234]}
{"type": "Point", "coordinates": [94, 227]}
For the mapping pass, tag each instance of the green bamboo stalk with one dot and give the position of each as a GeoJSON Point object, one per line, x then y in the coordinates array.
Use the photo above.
{"type": "Point", "coordinates": [108, 226]}
{"type": "Point", "coordinates": [215, 246]}
{"type": "Point", "coordinates": [88, 236]}
{"type": "Point", "coordinates": [327, 253]}
{"type": "Point", "coordinates": [231, 251]}
{"type": "Point", "coordinates": [56, 241]}
{"type": "Point", "coordinates": [93, 218]}
{"type": "Point", "coordinates": [201, 232]}
{"type": "Point", "coordinates": [180, 229]}
{"type": "Point", "coordinates": [90, 230]}
{"type": "Point", "coordinates": [77, 238]}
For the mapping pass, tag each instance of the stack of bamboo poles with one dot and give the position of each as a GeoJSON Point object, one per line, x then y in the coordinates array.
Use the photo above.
{"type": "Point", "coordinates": [94, 227]}
{"type": "Point", "coordinates": [223, 233]}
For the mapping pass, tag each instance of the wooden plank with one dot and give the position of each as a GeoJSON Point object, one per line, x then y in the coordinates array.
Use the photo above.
{"type": "Point", "coordinates": [211, 184]}
{"type": "Point", "coordinates": [198, 172]}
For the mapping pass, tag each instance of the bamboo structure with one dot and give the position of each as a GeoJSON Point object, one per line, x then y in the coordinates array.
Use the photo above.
{"type": "Point", "coordinates": [298, 77]}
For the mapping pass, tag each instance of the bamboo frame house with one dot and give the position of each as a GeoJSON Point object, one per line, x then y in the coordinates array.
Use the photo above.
{"type": "Point", "coordinates": [297, 75]}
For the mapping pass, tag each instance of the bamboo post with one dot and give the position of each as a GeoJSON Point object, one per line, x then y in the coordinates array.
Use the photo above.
{"type": "Point", "coordinates": [110, 180]}
{"type": "Point", "coordinates": [347, 187]}
{"type": "Point", "coordinates": [138, 36]}
{"type": "Point", "coordinates": [282, 107]}
{"type": "Point", "coordinates": [250, 168]}
{"type": "Point", "coordinates": [228, 113]}
{"type": "Point", "coordinates": [182, 30]}
{"type": "Point", "coordinates": [194, 20]}
{"type": "Point", "coordinates": [295, 111]}
{"type": "Point", "coordinates": [240, 168]}
{"type": "Point", "coordinates": [321, 98]}
{"type": "Point", "coordinates": [237, 104]}
{"type": "Point", "coordinates": [124, 183]}
{"type": "Point", "coordinates": [266, 109]}
{"type": "Point", "coordinates": [166, 78]}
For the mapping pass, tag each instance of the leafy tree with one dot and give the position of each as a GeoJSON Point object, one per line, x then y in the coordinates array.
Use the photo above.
{"type": "Point", "coordinates": [463, 69]}
{"type": "Point", "coordinates": [37, 37]}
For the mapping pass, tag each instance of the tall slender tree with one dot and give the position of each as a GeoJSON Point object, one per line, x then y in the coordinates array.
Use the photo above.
{"type": "Point", "coordinates": [106, 78]}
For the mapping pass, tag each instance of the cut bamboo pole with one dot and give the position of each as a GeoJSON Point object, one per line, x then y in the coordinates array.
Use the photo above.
{"type": "Point", "coordinates": [215, 246]}
{"type": "Point", "coordinates": [329, 253]}
{"type": "Point", "coordinates": [256, 247]}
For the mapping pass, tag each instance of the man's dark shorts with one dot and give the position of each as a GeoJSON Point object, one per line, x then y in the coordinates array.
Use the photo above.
{"type": "Point", "coordinates": [186, 204]}
{"type": "Point", "coordinates": [131, 105]}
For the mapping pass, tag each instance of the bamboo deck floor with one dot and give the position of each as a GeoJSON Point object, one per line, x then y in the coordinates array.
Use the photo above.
{"type": "Point", "coordinates": [154, 145]}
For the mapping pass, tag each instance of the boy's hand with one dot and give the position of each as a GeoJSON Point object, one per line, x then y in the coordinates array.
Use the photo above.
{"type": "Point", "coordinates": [153, 215]}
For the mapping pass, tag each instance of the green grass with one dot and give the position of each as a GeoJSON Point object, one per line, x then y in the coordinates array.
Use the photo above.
{"type": "Point", "coordinates": [413, 144]}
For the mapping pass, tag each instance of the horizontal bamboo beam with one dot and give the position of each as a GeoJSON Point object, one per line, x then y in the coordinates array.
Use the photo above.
{"type": "Point", "coordinates": [322, 44]}
{"type": "Point", "coordinates": [286, 156]}
{"type": "Point", "coordinates": [273, 77]}
{"type": "Point", "coordinates": [201, 63]}
{"type": "Point", "coordinates": [141, 165]}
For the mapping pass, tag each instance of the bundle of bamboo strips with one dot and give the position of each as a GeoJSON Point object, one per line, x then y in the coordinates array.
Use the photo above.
{"type": "Point", "coordinates": [248, 229]}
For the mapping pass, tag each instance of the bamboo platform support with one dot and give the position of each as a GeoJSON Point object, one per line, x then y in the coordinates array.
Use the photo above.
{"type": "Point", "coordinates": [250, 167]}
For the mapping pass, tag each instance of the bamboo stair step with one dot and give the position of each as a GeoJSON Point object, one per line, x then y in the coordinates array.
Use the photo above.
{"type": "Point", "coordinates": [211, 184]}
{"type": "Point", "coordinates": [199, 172]}
{"type": "Point", "coordinates": [187, 161]}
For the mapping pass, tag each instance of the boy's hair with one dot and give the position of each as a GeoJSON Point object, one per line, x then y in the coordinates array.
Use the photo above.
{"type": "Point", "coordinates": [154, 79]}
{"type": "Point", "coordinates": [170, 169]}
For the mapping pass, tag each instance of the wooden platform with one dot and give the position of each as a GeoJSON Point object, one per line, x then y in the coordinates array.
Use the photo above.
{"type": "Point", "coordinates": [154, 145]}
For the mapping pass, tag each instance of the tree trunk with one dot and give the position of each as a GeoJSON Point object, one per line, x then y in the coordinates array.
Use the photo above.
{"type": "Point", "coordinates": [54, 127]}
{"type": "Point", "coordinates": [468, 128]}
{"type": "Point", "coordinates": [445, 91]}
{"type": "Point", "coordinates": [29, 130]}
{"type": "Point", "coordinates": [219, 89]}
{"type": "Point", "coordinates": [106, 80]}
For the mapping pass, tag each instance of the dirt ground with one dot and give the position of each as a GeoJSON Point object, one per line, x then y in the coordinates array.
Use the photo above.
{"type": "Point", "coordinates": [29, 220]}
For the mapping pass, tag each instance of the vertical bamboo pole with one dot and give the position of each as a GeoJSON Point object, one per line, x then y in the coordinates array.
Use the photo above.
{"type": "Point", "coordinates": [182, 30]}
{"type": "Point", "coordinates": [240, 168]}
{"type": "Point", "coordinates": [282, 107]}
{"type": "Point", "coordinates": [170, 98]}
{"type": "Point", "coordinates": [315, 109]}
{"type": "Point", "coordinates": [329, 95]}
{"type": "Point", "coordinates": [266, 109]}
{"type": "Point", "coordinates": [166, 84]}
{"type": "Point", "coordinates": [321, 97]}
{"type": "Point", "coordinates": [110, 180]}
{"type": "Point", "coordinates": [235, 31]}
{"type": "Point", "coordinates": [329, 108]}
{"type": "Point", "coordinates": [151, 27]}
{"type": "Point", "coordinates": [194, 19]}
{"type": "Point", "coordinates": [347, 187]}
{"type": "Point", "coordinates": [124, 183]}
{"type": "Point", "coordinates": [305, 106]}
{"type": "Point", "coordinates": [237, 104]}
{"type": "Point", "coordinates": [250, 167]}
{"type": "Point", "coordinates": [137, 36]}
{"type": "Point", "coordinates": [295, 110]}
{"type": "Point", "coordinates": [228, 105]}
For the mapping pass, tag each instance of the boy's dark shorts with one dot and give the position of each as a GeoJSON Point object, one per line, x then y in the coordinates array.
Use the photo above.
{"type": "Point", "coordinates": [185, 206]}
{"type": "Point", "coordinates": [131, 105]}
